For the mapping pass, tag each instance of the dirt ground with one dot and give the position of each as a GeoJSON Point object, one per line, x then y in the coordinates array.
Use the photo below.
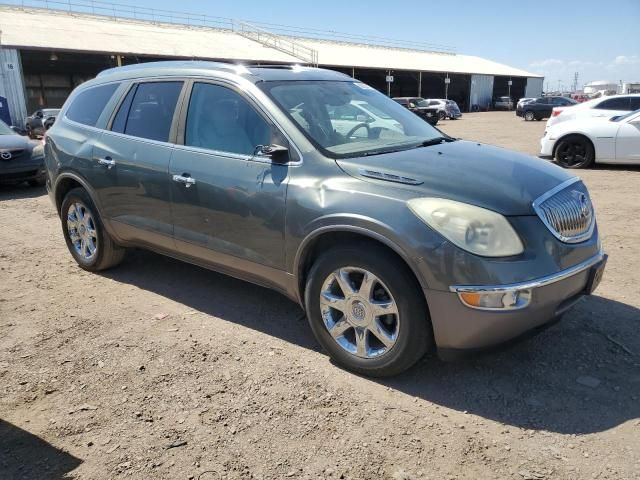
{"type": "Point", "coordinates": [162, 370]}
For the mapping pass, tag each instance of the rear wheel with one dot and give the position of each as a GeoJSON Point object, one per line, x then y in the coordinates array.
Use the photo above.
{"type": "Point", "coordinates": [575, 151]}
{"type": "Point", "coordinates": [367, 311]}
{"type": "Point", "coordinates": [442, 115]}
{"type": "Point", "coordinates": [87, 240]}
{"type": "Point", "coordinates": [529, 116]}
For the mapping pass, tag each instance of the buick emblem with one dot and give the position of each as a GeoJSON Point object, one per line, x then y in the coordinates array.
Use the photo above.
{"type": "Point", "coordinates": [5, 155]}
{"type": "Point", "coordinates": [585, 209]}
{"type": "Point", "coordinates": [358, 310]}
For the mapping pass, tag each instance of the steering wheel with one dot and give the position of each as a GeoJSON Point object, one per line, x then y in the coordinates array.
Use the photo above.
{"type": "Point", "coordinates": [357, 127]}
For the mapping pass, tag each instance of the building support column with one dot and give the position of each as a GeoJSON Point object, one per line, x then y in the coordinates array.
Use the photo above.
{"type": "Point", "coordinates": [12, 85]}
{"type": "Point", "coordinates": [420, 84]}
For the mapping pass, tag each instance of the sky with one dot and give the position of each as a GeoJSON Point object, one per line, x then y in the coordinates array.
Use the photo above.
{"type": "Point", "coordinates": [600, 40]}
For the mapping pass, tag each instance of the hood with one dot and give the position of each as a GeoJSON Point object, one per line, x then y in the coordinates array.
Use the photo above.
{"type": "Point", "coordinates": [501, 180]}
{"type": "Point", "coordinates": [14, 142]}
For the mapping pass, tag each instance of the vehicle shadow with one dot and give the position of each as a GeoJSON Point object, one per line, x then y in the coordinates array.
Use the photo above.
{"type": "Point", "coordinates": [536, 384]}
{"type": "Point", "coordinates": [19, 191]}
{"type": "Point", "coordinates": [616, 167]}
{"type": "Point", "coordinates": [24, 456]}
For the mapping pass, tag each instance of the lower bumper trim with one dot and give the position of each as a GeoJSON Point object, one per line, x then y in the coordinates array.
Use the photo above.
{"type": "Point", "coordinates": [536, 283]}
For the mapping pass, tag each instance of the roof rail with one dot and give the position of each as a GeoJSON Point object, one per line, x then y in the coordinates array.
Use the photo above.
{"type": "Point", "coordinates": [233, 67]}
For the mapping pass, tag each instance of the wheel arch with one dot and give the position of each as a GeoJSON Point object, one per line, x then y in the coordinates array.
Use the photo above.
{"type": "Point", "coordinates": [67, 181]}
{"type": "Point", "coordinates": [329, 236]}
{"type": "Point", "coordinates": [578, 134]}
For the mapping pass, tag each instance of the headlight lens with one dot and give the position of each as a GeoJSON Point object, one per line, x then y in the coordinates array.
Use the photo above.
{"type": "Point", "coordinates": [474, 229]}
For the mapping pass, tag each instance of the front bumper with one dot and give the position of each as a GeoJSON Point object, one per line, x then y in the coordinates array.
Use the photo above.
{"type": "Point", "coordinates": [546, 145]}
{"type": "Point", "coordinates": [458, 326]}
{"type": "Point", "coordinates": [21, 170]}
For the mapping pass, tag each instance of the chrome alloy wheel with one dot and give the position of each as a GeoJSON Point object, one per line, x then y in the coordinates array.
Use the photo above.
{"type": "Point", "coordinates": [359, 312]}
{"type": "Point", "coordinates": [82, 231]}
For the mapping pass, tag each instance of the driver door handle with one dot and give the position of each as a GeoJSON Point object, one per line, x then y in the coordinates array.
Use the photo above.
{"type": "Point", "coordinates": [184, 178]}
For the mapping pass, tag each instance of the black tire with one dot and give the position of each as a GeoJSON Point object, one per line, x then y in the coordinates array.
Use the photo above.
{"type": "Point", "coordinates": [107, 254]}
{"type": "Point", "coordinates": [441, 115]}
{"type": "Point", "coordinates": [529, 116]}
{"type": "Point", "coordinates": [575, 151]}
{"type": "Point", "coordinates": [414, 335]}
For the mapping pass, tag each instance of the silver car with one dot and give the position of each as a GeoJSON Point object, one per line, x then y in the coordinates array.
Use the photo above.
{"type": "Point", "coordinates": [395, 238]}
{"type": "Point", "coordinates": [446, 108]}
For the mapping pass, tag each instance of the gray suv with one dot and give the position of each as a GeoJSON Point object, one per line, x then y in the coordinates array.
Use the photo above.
{"type": "Point", "coordinates": [394, 237]}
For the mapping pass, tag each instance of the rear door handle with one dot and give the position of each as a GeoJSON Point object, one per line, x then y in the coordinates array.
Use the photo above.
{"type": "Point", "coordinates": [107, 161]}
{"type": "Point", "coordinates": [184, 178]}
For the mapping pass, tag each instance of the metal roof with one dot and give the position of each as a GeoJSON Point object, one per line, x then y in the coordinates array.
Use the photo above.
{"type": "Point", "coordinates": [55, 30]}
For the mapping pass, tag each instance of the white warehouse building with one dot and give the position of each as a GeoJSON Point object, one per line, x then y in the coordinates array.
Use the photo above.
{"type": "Point", "coordinates": [46, 52]}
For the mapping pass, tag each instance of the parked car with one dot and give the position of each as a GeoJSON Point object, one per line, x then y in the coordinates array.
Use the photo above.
{"type": "Point", "coordinates": [38, 122]}
{"type": "Point", "coordinates": [360, 119]}
{"type": "Point", "coordinates": [503, 103]}
{"type": "Point", "coordinates": [581, 142]}
{"type": "Point", "coordinates": [524, 101]}
{"type": "Point", "coordinates": [420, 107]}
{"type": "Point", "coordinates": [393, 243]}
{"type": "Point", "coordinates": [542, 107]}
{"type": "Point", "coordinates": [20, 159]}
{"type": "Point", "coordinates": [446, 108]}
{"type": "Point", "coordinates": [606, 107]}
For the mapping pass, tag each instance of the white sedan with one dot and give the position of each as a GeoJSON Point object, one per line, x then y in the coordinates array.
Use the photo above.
{"type": "Point", "coordinates": [599, 107]}
{"type": "Point", "coordinates": [581, 142]}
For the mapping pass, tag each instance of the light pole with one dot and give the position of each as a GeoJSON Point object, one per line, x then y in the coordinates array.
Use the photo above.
{"type": "Point", "coordinates": [447, 81]}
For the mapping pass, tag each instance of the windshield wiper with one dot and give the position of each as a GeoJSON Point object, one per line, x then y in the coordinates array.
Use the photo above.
{"type": "Point", "coordinates": [435, 141]}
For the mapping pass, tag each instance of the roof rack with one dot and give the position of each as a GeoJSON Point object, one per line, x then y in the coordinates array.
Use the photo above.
{"type": "Point", "coordinates": [234, 67]}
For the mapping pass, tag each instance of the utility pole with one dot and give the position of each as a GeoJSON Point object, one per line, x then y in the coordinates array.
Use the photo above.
{"type": "Point", "coordinates": [575, 81]}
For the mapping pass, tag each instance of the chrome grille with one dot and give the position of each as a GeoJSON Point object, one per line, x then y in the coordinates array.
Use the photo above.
{"type": "Point", "coordinates": [12, 154]}
{"type": "Point", "coordinates": [567, 211]}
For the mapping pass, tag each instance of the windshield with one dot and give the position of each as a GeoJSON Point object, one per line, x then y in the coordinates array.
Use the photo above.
{"type": "Point", "coordinates": [625, 116]}
{"type": "Point", "coordinates": [5, 130]}
{"type": "Point", "coordinates": [312, 105]}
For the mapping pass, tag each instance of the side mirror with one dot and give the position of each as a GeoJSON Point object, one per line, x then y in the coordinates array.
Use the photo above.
{"type": "Point", "coordinates": [276, 153]}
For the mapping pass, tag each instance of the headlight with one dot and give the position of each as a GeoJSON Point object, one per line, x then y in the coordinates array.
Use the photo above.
{"type": "Point", "coordinates": [471, 228]}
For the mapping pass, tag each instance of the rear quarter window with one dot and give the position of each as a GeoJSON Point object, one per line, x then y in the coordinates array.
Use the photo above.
{"type": "Point", "coordinates": [88, 105]}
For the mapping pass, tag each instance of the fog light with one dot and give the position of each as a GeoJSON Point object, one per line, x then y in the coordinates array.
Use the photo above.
{"type": "Point", "coordinates": [506, 300]}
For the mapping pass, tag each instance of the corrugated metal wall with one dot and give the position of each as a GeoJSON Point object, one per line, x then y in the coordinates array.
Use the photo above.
{"type": "Point", "coordinates": [534, 87]}
{"type": "Point", "coordinates": [12, 85]}
{"type": "Point", "coordinates": [481, 91]}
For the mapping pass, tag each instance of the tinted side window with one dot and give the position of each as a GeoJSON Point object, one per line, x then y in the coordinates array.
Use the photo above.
{"type": "Point", "coordinates": [151, 111]}
{"type": "Point", "coordinates": [220, 119]}
{"type": "Point", "coordinates": [88, 105]}
{"type": "Point", "coordinates": [120, 121]}
{"type": "Point", "coordinates": [617, 103]}
{"type": "Point", "coordinates": [635, 103]}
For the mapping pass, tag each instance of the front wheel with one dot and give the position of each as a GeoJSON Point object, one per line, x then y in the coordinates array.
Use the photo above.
{"type": "Point", "coordinates": [575, 151]}
{"type": "Point", "coordinates": [529, 116]}
{"type": "Point", "coordinates": [88, 241]}
{"type": "Point", "coordinates": [441, 115]}
{"type": "Point", "coordinates": [367, 310]}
